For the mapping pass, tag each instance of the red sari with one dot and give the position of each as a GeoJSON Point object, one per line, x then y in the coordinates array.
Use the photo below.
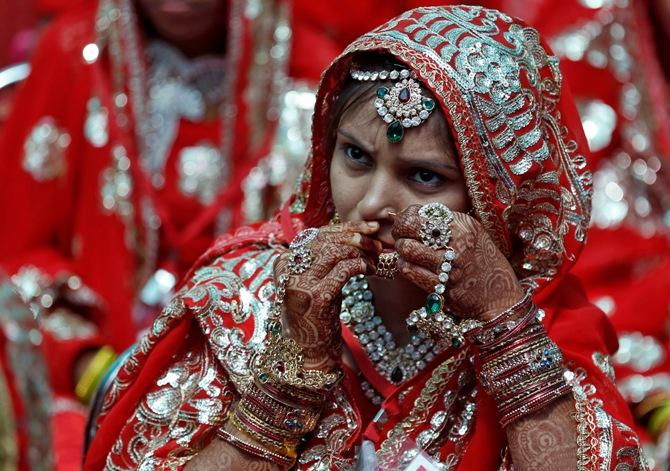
{"type": "Point", "coordinates": [77, 193]}
{"type": "Point", "coordinates": [532, 194]}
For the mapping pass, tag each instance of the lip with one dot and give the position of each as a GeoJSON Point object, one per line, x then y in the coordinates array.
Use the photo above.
{"type": "Point", "coordinates": [176, 7]}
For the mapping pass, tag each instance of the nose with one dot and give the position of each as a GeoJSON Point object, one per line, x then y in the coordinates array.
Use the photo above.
{"type": "Point", "coordinates": [379, 198]}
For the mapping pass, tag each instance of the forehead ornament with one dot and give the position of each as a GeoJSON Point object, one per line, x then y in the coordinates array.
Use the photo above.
{"type": "Point", "coordinates": [402, 105]}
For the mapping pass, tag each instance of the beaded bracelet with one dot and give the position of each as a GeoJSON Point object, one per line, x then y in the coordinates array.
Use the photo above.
{"type": "Point", "coordinates": [534, 403]}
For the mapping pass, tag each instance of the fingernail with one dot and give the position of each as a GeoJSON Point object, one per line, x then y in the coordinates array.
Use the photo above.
{"type": "Point", "coordinates": [372, 224]}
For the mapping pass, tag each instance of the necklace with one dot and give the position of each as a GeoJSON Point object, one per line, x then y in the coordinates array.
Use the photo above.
{"type": "Point", "coordinates": [396, 364]}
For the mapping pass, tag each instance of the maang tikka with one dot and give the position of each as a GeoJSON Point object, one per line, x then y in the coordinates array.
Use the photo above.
{"type": "Point", "coordinates": [400, 106]}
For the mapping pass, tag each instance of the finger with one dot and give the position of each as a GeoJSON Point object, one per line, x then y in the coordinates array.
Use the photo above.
{"type": "Point", "coordinates": [419, 276]}
{"type": "Point", "coordinates": [407, 224]}
{"type": "Point", "coordinates": [353, 239]}
{"type": "Point", "coordinates": [342, 272]}
{"type": "Point", "coordinates": [363, 227]}
{"type": "Point", "coordinates": [419, 254]}
{"type": "Point", "coordinates": [281, 265]}
{"type": "Point", "coordinates": [328, 255]}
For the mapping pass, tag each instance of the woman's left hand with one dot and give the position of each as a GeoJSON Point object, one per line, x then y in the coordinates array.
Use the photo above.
{"type": "Point", "coordinates": [481, 283]}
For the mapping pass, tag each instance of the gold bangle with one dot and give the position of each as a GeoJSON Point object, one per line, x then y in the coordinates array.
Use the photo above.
{"type": "Point", "coordinates": [93, 373]}
{"type": "Point", "coordinates": [274, 445]}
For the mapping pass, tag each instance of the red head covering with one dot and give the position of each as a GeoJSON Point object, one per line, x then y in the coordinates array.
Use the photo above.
{"type": "Point", "coordinates": [520, 142]}
{"type": "Point", "coordinates": [515, 132]}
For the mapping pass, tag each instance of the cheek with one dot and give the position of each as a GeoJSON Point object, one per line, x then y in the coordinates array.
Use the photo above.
{"type": "Point", "coordinates": [344, 189]}
{"type": "Point", "coordinates": [457, 198]}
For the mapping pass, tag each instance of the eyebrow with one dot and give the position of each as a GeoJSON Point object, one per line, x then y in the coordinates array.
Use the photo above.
{"type": "Point", "coordinates": [408, 161]}
{"type": "Point", "coordinates": [355, 140]}
{"type": "Point", "coordinates": [433, 163]}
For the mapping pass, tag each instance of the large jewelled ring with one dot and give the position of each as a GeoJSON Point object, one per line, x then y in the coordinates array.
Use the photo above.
{"type": "Point", "coordinates": [387, 267]}
{"type": "Point", "coordinates": [300, 257]}
{"type": "Point", "coordinates": [435, 228]}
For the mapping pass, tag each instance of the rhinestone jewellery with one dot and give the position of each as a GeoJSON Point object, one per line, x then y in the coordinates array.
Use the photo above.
{"type": "Point", "coordinates": [396, 364]}
{"type": "Point", "coordinates": [402, 105]}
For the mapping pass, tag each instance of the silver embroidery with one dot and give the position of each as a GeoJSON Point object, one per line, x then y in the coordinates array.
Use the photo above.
{"type": "Point", "coordinates": [95, 126]}
{"type": "Point", "coordinates": [335, 428]}
{"type": "Point", "coordinates": [173, 410]}
{"type": "Point", "coordinates": [64, 325]}
{"type": "Point", "coordinates": [117, 185]}
{"type": "Point", "coordinates": [44, 150]}
{"type": "Point", "coordinates": [604, 423]}
{"type": "Point", "coordinates": [602, 361]}
{"type": "Point", "coordinates": [178, 88]}
{"type": "Point", "coordinates": [202, 171]}
{"type": "Point", "coordinates": [219, 288]}
{"type": "Point", "coordinates": [28, 369]}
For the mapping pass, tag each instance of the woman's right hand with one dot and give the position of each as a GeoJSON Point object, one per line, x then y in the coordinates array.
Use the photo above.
{"type": "Point", "coordinates": [312, 300]}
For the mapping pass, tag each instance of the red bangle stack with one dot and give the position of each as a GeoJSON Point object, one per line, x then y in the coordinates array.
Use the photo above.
{"type": "Point", "coordinates": [522, 368]}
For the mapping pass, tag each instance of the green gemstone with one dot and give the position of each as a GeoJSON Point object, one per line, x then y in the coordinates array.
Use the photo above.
{"type": "Point", "coordinates": [274, 328]}
{"type": "Point", "coordinates": [429, 104]}
{"type": "Point", "coordinates": [381, 92]}
{"type": "Point", "coordinates": [433, 304]}
{"type": "Point", "coordinates": [394, 132]}
{"type": "Point", "coordinates": [263, 377]}
{"type": "Point", "coordinates": [456, 342]}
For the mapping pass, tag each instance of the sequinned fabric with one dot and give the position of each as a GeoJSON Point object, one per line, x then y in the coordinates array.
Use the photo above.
{"type": "Point", "coordinates": [521, 152]}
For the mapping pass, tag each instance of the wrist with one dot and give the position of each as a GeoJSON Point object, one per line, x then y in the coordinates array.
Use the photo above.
{"type": "Point", "coordinates": [495, 308]}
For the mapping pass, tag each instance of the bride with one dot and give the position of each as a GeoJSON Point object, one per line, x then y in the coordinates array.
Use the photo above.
{"type": "Point", "coordinates": [412, 304]}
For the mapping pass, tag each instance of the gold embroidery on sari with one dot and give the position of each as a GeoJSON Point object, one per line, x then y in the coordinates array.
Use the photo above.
{"type": "Point", "coordinates": [389, 453]}
{"type": "Point", "coordinates": [337, 424]}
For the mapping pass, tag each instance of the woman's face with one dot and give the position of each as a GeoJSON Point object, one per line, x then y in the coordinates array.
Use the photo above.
{"type": "Point", "coordinates": [185, 20]}
{"type": "Point", "coordinates": [370, 176]}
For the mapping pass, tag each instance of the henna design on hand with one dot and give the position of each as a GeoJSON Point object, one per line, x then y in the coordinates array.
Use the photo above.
{"type": "Point", "coordinates": [546, 440]}
{"type": "Point", "coordinates": [221, 455]}
{"type": "Point", "coordinates": [482, 282]}
{"type": "Point", "coordinates": [312, 300]}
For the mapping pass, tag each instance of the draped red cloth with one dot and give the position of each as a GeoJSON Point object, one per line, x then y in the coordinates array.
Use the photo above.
{"type": "Point", "coordinates": [59, 224]}
{"type": "Point", "coordinates": [531, 192]}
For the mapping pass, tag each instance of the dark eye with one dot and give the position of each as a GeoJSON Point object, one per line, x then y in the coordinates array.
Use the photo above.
{"type": "Point", "coordinates": [427, 177]}
{"type": "Point", "coordinates": [356, 154]}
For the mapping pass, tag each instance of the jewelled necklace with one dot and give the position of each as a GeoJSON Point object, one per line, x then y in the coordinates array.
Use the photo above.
{"type": "Point", "coordinates": [396, 364]}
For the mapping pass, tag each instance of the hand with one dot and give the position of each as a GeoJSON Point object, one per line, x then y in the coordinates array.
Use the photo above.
{"type": "Point", "coordinates": [312, 300]}
{"type": "Point", "coordinates": [481, 283]}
